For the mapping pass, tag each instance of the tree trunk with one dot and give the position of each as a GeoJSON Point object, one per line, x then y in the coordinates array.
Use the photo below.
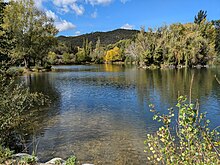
{"type": "Point", "coordinates": [34, 60]}
{"type": "Point", "coordinates": [41, 62]}
{"type": "Point", "coordinates": [27, 63]}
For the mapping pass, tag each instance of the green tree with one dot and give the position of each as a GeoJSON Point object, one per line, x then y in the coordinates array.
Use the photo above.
{"type": "Point", "coordinates": [200, 16]}
{"type": "Point", "coordinates": [29, 27]}
{"type": "Point", "coordinates": [60, 48]}
{"type": "Point", "coordinates": [52, 57]}
{"type": "Point", "coordinates": [66, 58]}
{"type": "Point", "coordinates": [178, 45]}
{"type": "Point", "coordinates": [98, 53]}
{"type": "Point", "coordinates": [141, 42]}
{"type": "Point", "coordinates": [87, 49]}
{"type": "Point", "coordinates": [5, 38]}
{"type": "Point", "coordinates": [43, 40]}
{"type": "Point", "coordinates": [80, 56]}
{"type": "Point", "coordinates": [84, 54]}
{"type": "Point", "coordinates": [217, 39]}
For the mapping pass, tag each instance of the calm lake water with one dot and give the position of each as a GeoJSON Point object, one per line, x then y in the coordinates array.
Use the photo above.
{"type": "Point", "coordinates": [100, 112]}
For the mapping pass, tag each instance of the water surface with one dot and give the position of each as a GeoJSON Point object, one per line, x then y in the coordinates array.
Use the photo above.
{"type": "Point", "coordinates": [100, 112]}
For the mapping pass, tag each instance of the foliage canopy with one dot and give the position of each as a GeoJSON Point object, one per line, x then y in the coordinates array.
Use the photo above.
{"type": "Point", "coordinates": [31, 30]}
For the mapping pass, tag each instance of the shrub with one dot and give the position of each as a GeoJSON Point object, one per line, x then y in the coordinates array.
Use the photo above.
{"type": "Point", "coordinates": [15, 105]}
{"type": "Point", "coordinates": [189, 141]}
{"type": "Point", "coordinates": [5, 154]}
{"type": "Point", "coordinates": [28, 160]}
{"type": "Point", "coordinates": [71, 160]}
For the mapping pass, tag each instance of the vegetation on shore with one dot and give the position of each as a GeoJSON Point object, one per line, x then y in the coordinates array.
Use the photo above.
{"type": "Point", "coordinates": [183, 45]}
{"type": "Point", "coordinates": [15, 104]}
{"type": "Point", "coordinates": [183, 139]}
{"type": "Point", "coordinates": [177, 44]}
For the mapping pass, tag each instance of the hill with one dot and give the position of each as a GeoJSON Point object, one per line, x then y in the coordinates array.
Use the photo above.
{"type": "Point", "coordinates": [106, 38]}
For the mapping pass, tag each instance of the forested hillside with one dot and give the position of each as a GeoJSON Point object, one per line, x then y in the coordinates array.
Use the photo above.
{"type": "Point", "coordinates": [106, 38]}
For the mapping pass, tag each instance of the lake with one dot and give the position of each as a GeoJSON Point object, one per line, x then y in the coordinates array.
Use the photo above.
{"type": "Point", "coordinates": [100, 113]}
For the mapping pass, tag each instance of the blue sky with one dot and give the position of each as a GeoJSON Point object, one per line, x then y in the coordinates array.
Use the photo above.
{"type": "Point", "coordinates": [75, 17]}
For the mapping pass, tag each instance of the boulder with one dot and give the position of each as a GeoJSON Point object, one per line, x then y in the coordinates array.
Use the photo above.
{"type": "Point", "coordinates": [56, 161]}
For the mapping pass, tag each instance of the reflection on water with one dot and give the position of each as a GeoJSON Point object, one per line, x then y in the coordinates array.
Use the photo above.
{"type": "Point", "coordinates": [100, 112]}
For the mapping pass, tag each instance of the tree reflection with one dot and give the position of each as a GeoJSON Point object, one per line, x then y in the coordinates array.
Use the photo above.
{"type": "Point", "coordinates": [43, 83]}
{"type": "Point", "coordinates": [166, 85]}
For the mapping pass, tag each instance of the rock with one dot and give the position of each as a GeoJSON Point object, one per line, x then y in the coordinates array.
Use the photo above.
{"type": "Point", "coordinates": [55, 161]}
{"type": "Point", "coordinates": [21, 156]}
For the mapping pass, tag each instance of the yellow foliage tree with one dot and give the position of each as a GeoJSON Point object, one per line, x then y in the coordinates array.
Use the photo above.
{"type": "Point", "coordinates": [113, 55]}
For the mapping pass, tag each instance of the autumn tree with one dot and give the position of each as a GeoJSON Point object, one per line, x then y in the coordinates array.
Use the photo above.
{"type": "Point", "coordinates": [113, 55]}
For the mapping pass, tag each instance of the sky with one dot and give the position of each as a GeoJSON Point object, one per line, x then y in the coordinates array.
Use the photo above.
{"type": "Point", "coordinates": [76, 17]}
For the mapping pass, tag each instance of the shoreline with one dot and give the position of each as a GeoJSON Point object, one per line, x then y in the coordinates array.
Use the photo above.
{"type": "Point", "coordinates": [18, 71]}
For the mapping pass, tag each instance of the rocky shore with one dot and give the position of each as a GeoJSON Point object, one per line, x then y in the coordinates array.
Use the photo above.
{"type": "Point", "coordinates": [26, 159]}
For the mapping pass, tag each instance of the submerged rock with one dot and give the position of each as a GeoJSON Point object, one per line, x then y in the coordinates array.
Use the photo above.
{"type": "Point", "coordinates": [56, 161]}
{"type": "Point", "coordinates": [21, 156]}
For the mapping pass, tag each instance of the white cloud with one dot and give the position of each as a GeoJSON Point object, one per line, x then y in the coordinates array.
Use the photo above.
{"type": "Point", "coordinates": [70, 5]}
{"type": "Point", "coordinates": [99, 2]}
{"type": "Point", "coordinates": [79, 10]}
{"type": "Point", "coordinates": [63, 2]}
{"type": "Point", "coordinates": [65, 9]}
{"type": "Point", "coordinates": [77, 33]}
{"type": "Point", "coordinates": [94, 14]}
{"type": "Point", "coordinates": [127, 26]}
{"type": "Point", "coordinates": [51, 14]}
{"type": "Point", "coordinates": [64, 25]}
{"type": "Point", "coordinates": [61, 25]}
{"type": "Point", "coordinates": [74, 5]}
